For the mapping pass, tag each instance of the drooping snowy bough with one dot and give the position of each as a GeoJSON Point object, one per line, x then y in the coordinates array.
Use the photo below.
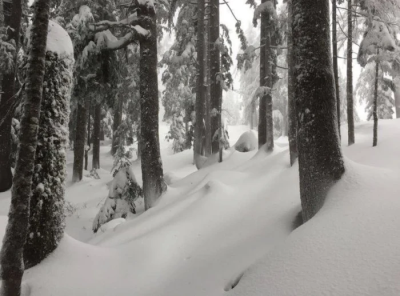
{"type": "Point", "coordinates": [46, 224]}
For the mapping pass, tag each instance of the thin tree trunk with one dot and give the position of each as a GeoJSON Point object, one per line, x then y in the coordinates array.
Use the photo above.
{"type": "Point", "coordinates": [262, 118]}
{"type": "Point", "coordinates": [87, 148]}
{"type": "Point", "coordinates": [96, 137]}
{"type": "Point", "coordinates": [11, 260]}
{"type": "Point", "coordinates": [320, 157]}
{"type": "Point", "coordinates": [199, 107]}
{"type": "Point", "coordinates": [335, 60]}
{"type": "Point", "coordinates": [375, 107]}
{"type": "Point", "coordinates": [269, 81]}
{"type": "Point", "coordinates": [117, 122]}
{"type": "Point", "coordinates": [207, 112]}
{"type": "Point", "coordinates": [215, 64]}
{"type": "Point", "coordinates": [152, 170]}
{"type": "Point", "coordinates": [396, 83]}
{"type": "Point", "coordinates": [7, 100]}
{"type": "Point", "coordinates": [80, 140]}
{"type": "Point", "coordinates": [291, 97]}
{"type": "Point", "coordinates": [350, 103]}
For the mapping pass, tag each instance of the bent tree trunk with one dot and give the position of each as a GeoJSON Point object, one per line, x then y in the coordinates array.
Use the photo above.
{"type": "Point", "coordinates": [6, 101]}
{"type": "Point", "coordinates": [11, 260]}
{"type": "Point", "coordinates": [96, 137]}
{"type": "Point", "coordinates": [291, 98]}
{"type": "Point", "coordinates": [152, 171]}
{"type": "Point", "coordinates": [350, 103]}
{"type": "Point", "coordinates": [47, 219]}
{"type": "Point", "coordinates": [320, 157]}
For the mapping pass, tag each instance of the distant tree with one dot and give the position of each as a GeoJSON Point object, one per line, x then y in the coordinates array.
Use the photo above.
{"type": "Point", "coordinates": [320, 158]}
{"type": "Point", "coordinates": [18, 220]}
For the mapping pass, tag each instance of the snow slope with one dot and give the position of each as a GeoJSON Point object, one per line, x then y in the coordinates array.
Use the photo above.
{"type": "Point", "coordinates": [227, 219]}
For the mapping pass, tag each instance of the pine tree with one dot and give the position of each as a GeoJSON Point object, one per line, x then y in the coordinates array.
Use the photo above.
{"type": "Point", "coordinates": [18, 221]}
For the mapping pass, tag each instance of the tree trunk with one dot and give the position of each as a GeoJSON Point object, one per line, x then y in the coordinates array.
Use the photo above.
{"type": "Point", "coordinates": [152, 170]}
{"type": "Point", "coordinates": [199, 107]}
{"type": "Point", "coordinates": [215, 64]}
{"type": "Point", "coordinates": [11, 260]}
{"type": "Point", "coordinates": [335, 60]}
{"type": "Point", "coordinates": [117, 122]}
{"type": "Point", "coordinates": [291, 96]}
{"type": "Point", "coordinates": [320, 157]}
{"type": "Point", "coordinates": [207, 111]}
{"type": "Point", "coordinates": [47, 219]}
{"type": "Point", "coordinates": [87, 147]}
{"type": "Point", "coordinates": [96, 137]}
{"type": "Point", "coordinates": [80, 140]}
{"type": "Point", "coordinates": [375, 107]}
{"type": "Point", "coordinates": [350, 103]}
{"type": "Point", "coordinates": [6, 101]}
{"type": "Point", "coordinates": [269, 84]}
{"type": "Point", "coordinates": [396, 82]}
{"type": "Point", "coordinates": [264, 46]}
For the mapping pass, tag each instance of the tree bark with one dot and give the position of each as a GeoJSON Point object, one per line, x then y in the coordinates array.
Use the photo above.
{"type": "Point", "coordinates": [87, 147]}
{"type": "Point", "coordinates": [264, 46]}
{"type": "Point", "coordinates": [335, 60]}
{"type": "Point", "coordinates": [200, 92]}
{"type": "Point", "coordinates": [152, 170]}
{"type": "Point", "coordinates": [11, 260]}
{"type": "Point", "coordinates": [116, 123]}
{"type": "Point", "coordinates": [320, 157]}
{"type": "Point", "coordinates": [80, 139]}
{"type": "Point", "coordinates": [350, 103]}
{"type": "Point", "coordinates": [375, 107]}
{"type": "Point", "coordinates": [291, 91]}
{"type": "Point", "coordinates": [207, 111]}
{"type": "Point", "coordinates": [96, 137]}
{"type": "Point", "coordinates": [396, 82]}
{"type": "Point", "coordinates": [6, 101]}
{"type": "Point", "coordinates": [215, 64]}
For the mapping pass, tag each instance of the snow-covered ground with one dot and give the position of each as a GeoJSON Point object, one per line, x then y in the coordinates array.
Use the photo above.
{"type": "Point", "coordinates": [233, 219]}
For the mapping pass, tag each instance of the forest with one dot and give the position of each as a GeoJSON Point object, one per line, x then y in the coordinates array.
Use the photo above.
{"type": "Point", "coordinates": [199, 147]}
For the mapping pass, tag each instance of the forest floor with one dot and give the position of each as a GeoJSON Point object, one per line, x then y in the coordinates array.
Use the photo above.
{"type": "Point", "coordinates": [232, 219]}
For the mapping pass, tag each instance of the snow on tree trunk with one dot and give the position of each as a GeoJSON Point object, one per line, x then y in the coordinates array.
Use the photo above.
{"type": "Point", "coordinates": [12, 265]}
{"type": "Point", "coordinates": [291, 97]}
{"type": "Point", "coordinates": [46, 222]}
{"type": "Point", "coordinates": [375, 107]}
{"type": "Point", "coordinates": [335, 60]}
{"type": "Point", "coordinates": [7, 87]}
{"type": "Point", "coordinates": [152, 170]}
{"type": "Point", "coordinates": [350, 102]}
{"type": "Point", "coordinates": [96, 136]}
{"type": "Point", "coordinates": [320, 157]}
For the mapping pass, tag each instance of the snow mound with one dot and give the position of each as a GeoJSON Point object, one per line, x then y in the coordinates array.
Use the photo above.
{"type": "Point", "coordinates": [247, 142]}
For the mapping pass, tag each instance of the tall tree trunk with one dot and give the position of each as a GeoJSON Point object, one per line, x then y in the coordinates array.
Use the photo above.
{"type": "Point", "coordinates": [335, 60]}
{"type": "Point", "coordinates": [87, 147]}
{"type": "Point", "coordinates": [80, 139]}
{"type": "Point", "coordinates": [199, 107]}
{"type": "Point", "coordinates": [375, 106]}
{"type": "Point", "coordinates": [11, 260]}
{"type": "Point", "coordinates": [291, 97]}
{"type": "Point", "coordinates": [117, 122]}
{"type": "Point", "coordinates": [285, 128]}
{"type": "Point", "coordinates": [269, 83]}
{"type": "Point", "coordinates": [320, 157]}
{"type": "Point", "coordinates": [350, 103]}
{"type": "Point", "coordinates": [207, 111]}
{"type": "Point", "coordinates": [215, 64]}
{"type": "Point", "coordinates": [152, 170]}
{"type": "Point", "coordinates": [6, 101]}
{"type": "Point", "coordinates": [264, 46]}
{"type": "Point", "coordinates": [96, 136]}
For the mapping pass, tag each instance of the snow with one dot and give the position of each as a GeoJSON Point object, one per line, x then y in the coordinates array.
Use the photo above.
{"type": "Point", "coordinates": [235, 218]}
{"type": "Point", "coordinates": [58, 40]}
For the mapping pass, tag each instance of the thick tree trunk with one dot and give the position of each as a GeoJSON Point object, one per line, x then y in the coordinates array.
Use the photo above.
{"type": "Point", "coordinates": [335, 60]}
{"type": "Point", "coordinates": [117, 122]}
{"type": "Point", "coordinates": [291, 96]}
{"type": "Point", "coordinates": [262, 110]}
{"type": "Point", "coordinates": [375, 106]}
{"type": "Point", "coordinates": [320, 157]}
{"type": "Point", "coordinates": [215, 64]}
{"type": "Point", "coordinates": [6, 101]}
{"type": "Point", "coordinates": [350, 103]}
{"type": "Point", "coordinates": [96, 137]}
{"type": "Point", "coordinates": [12, 265]}
{"type": "Point", "coordinates": [152, 170]}
{"type": "Point", "coordinates": [200, 92]}
{"type": "Point", "coordinates": [80, 140]}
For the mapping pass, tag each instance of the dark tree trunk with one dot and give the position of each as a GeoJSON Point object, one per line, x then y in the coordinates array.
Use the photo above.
{"type": "Point", "coordinates": [264, 46]}
{"type": "Point", "coordinates": [80, 140]}
{"type": "Point", "coordinates": [285, 128]}
{"type": "Point", "coordinates": [335, 60]}
{"type": "Point", "coordinates": [215, 70]}
{"type": "Point", "coordinates": [12, 264]}
{"type": "Point", "coordinates": [7, 100]}
{"type": "Point", "coordinates": [200, 92]}
{"type": "Point", "coordinates": [291, 96]}
{"type": "Point", "coordinates": [350, 103]}
{"type": "Point", "coordinates": [117, 122]}
{"type": "Point", "coordinates": [375, 106]}
{"type": "Point", "coordinates": [87, 147]}
{"type": "Point", "coordinates": [207, 111]}
{"type": "Point", "coordinates": [397, 97]}
{"type": "Point", "coordinates": [152, 170]}
{"type": "Point", "coordinates": [96, 137]}
{"type": "Point", "coordinates": [320, 157]}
